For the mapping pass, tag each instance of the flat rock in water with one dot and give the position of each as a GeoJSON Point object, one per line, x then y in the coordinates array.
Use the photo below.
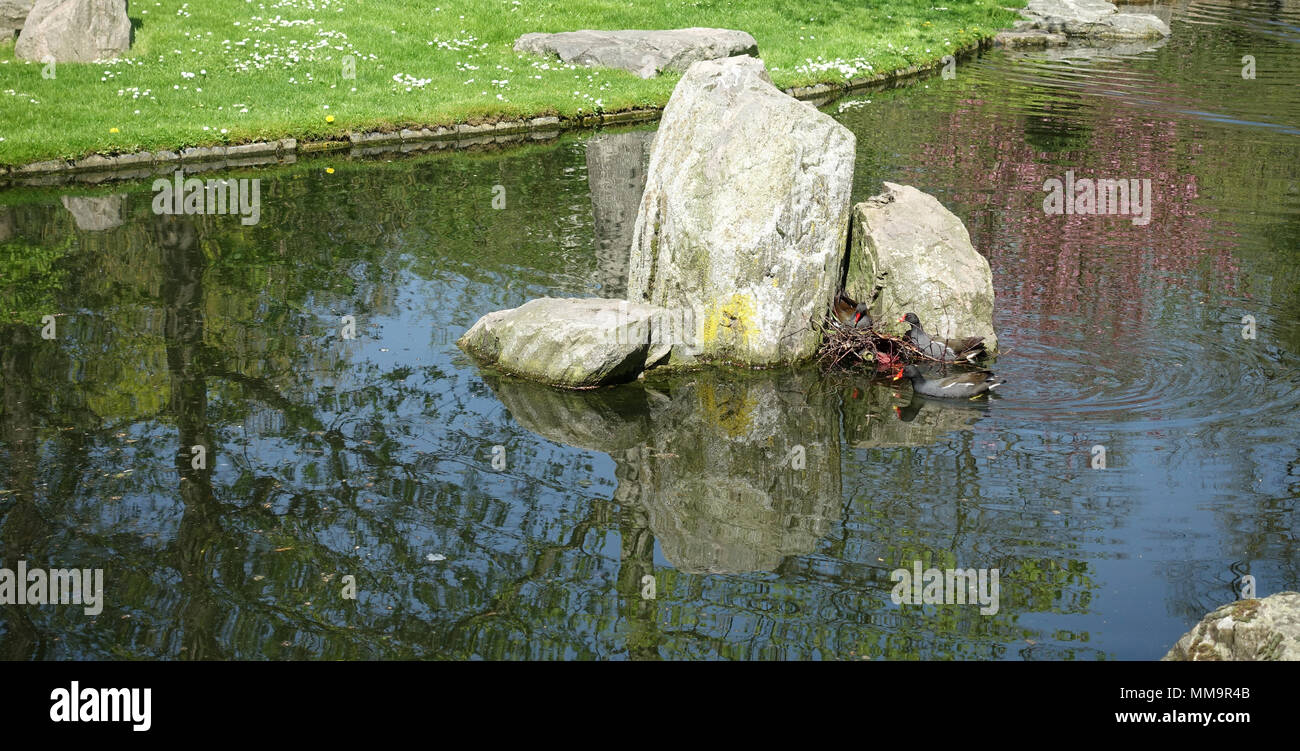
{"type": "Point", "coordinates": [572, 342]}
{"type": "Point", "coordinates": [921, 256]}
{"type": "Point", "coordinates": [1094, 19]}
{"type": "Point", "coordinates": [75, 31]}
{"type": "Point", "coordinates": [1263, 629]}
{"type": "Point", "coordinates": [744, 214]}
{"type": "Point", "coordinates": [645, 53]}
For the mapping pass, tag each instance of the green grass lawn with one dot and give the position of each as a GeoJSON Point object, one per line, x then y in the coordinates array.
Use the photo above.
{"type": "Point", "coordinates": [230, 71]}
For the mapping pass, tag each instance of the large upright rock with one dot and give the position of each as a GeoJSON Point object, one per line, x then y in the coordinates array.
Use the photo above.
{"type": "Point", "coordinates": [645, 53]}
{"type": "Point", "coordinates": [75, 31]}
{"type": "Point", "coordinates": [920, 255]}
{"type": "Point", "coordinates": [1267, 629]}
{"type": "Point", "coordinates": [1095, 19]}
{"type": "Point", "coordinates": [744, 214]}
{"type": "Point", "coordinates": [13, 13]}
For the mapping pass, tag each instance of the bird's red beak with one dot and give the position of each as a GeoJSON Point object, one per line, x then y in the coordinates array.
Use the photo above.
{"type": "Point", "coordinates": [898, 374]}
{"type": "Point", "coordinates": [857, 318]}
{"type": "Point", "coordinates": [904, 318]}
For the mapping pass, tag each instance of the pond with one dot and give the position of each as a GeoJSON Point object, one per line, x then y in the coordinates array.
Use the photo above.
{"type": "Point", "coordinates": [365, 490]}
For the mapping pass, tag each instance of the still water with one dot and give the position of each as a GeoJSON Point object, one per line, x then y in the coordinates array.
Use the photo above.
{"type": "Point", "coordinates": [482, 517]}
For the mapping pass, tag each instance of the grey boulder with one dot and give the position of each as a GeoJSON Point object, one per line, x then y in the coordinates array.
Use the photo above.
{"type": "Point", "coordinates": [75, 31]}
{"type": "Point", "coordinates": [645, 53]}
{"type": "Point", "coordinates": [1095, 19]}
{"type": "Point", "coordinates": [744, 216]}
{"type": "Point", "coordinates": [1254, 629]}
{"type": "Point", "coordinates": [13, 13]}
{"type": "Point", "coordinates": [572, 342]}
{"type": "Point", "coordinates": [920, 255]}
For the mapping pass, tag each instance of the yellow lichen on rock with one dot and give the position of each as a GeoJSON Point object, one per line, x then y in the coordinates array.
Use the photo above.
{"type": "Point", "coordinates": [729, 324]}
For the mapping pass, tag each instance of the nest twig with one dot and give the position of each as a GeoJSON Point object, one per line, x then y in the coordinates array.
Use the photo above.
{"type": "Point", "coordinates": [846, 348]}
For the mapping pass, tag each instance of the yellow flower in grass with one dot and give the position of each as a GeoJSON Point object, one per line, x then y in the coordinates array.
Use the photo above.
{"type": "Point", "coordinates": [113, 130]}
{"type": "Point", "coordinates": [329, 118]}
{"type": "Point", "coordinates": [329, 170]}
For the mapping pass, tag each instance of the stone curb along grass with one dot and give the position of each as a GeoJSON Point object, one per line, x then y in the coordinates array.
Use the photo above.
{"type": "Point", "coordinates": [98, 168]}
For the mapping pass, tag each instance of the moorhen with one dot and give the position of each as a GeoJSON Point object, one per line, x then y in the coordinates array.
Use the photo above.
{"type": "Point", "coordinates": [960, 386]}
{"type": "Point", "coordinates": [947, 350]}
{"type": "Point", "coordinates": [851, 314]}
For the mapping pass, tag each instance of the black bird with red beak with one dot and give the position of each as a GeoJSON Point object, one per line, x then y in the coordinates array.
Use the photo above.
{"type": "Point", "coordinates": [961, 386]}
{"type": "Point", "coordinates": [947, 350]}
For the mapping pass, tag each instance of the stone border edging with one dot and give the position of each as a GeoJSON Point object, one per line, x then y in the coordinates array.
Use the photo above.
{"type": "Point", "coordinates": [97, 168]}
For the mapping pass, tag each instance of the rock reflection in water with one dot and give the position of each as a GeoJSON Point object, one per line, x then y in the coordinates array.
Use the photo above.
{"type": "Point", "coordinates": [616, 171]}
{"type": "Point", "coordinates": [735, 473]}
{"type": "Point", "coordinates": [880, 415]}
{"type": "Point", "coordinates": [96, 213]}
